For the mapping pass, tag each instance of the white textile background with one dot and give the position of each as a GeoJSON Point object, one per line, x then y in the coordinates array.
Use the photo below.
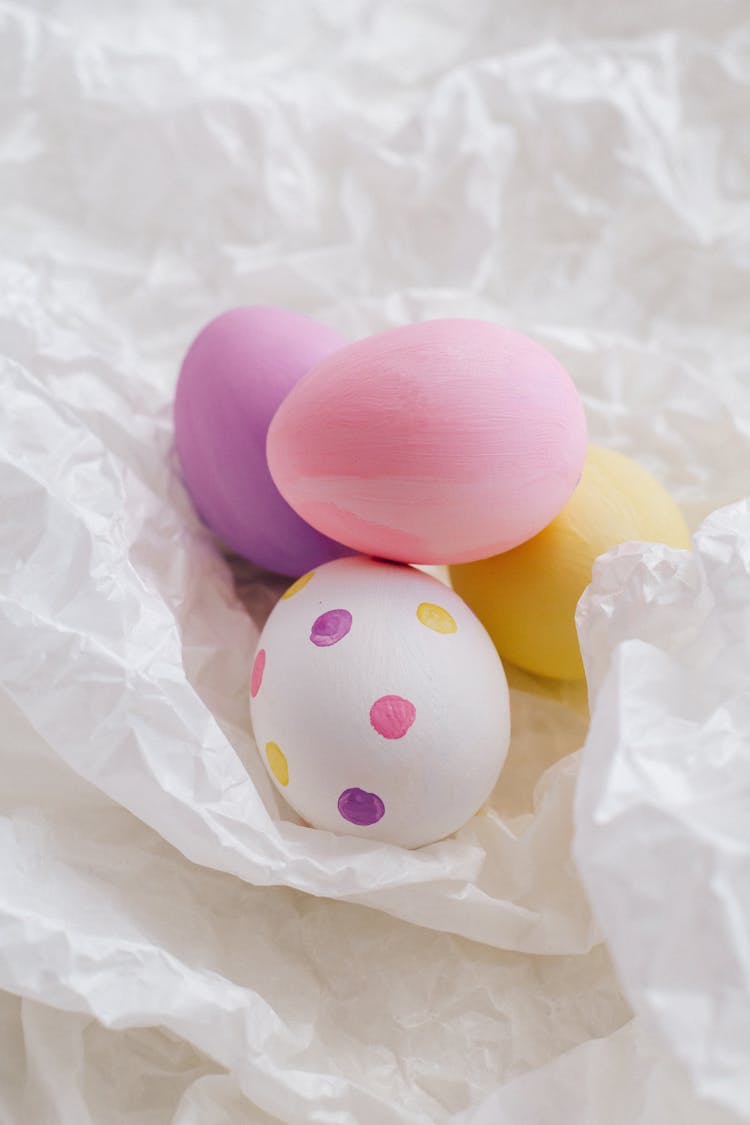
{"type": "Point", "coordinates": [174, 946]}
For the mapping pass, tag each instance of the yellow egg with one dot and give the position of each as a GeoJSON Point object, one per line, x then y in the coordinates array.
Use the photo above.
{"type": "Point", "coordinates": [526, 598]}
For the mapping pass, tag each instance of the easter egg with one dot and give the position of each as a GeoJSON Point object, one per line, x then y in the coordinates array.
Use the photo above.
{"type": "Point", "coordinates": [379, 704]}
{"type": "Point", "coordinates": [527, 597]}
{"type": "Point", "coordinates": [233, 378]}
{"type": "Point", "coordinates": [438, 442]}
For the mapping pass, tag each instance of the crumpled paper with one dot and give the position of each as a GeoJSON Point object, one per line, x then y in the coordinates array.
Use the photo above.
{"type": "Point", "coordinates": [662, 806]}
{"type": "Point", "coordinates": [174, 946]}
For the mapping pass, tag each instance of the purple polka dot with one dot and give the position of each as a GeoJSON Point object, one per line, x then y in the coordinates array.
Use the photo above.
{"type": "Point", "coordinates": [392, 716]}
{"type": "Point", "coordinates": [359, 807]}
{"type": "Point", "coordinates": [331, 627]}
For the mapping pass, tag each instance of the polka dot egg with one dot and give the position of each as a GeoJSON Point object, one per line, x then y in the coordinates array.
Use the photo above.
{"type": "Point", "coordinates": [379, 703]}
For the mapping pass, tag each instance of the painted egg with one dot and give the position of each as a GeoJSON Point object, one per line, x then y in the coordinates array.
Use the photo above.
{"type": "Point", "coordinates": [234, 376]}
{"type": "Point", "coordinates": [379, 704]}
{"type": "Point", "coordinates": [438, 442]}
{"type": "Point", "coordinates": [527, 597]}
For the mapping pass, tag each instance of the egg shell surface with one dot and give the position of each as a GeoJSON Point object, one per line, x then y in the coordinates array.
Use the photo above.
{"type": "Point", "coordinates": [379, 704]}
{"type": "Point", "coordinates": [444, 441]}
{"type": "Point", "coordinates": [527, 597]}
{"type": "Point", "coordinates": [235, 375]}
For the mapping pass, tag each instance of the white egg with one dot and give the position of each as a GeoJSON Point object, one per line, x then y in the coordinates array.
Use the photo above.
{"type": "Point", "coordinates": [379, 704]}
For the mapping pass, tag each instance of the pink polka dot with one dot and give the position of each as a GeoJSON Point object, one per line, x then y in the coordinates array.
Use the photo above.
{"type": "Point", "coordinates": [258, 668]}
{"type": "Point", "coordinates": [392, 716]}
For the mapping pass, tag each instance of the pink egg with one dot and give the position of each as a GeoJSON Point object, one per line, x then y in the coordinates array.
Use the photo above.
{"type": "Point", "coordinates": [440, 442]}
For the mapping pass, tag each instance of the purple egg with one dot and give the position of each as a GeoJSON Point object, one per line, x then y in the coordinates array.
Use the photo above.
{"type": "Point", "coordinates": [235, 375]}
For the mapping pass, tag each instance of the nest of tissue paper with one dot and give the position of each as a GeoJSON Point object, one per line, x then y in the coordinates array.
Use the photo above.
{"type": "Point", "coordinates": [157, 956]}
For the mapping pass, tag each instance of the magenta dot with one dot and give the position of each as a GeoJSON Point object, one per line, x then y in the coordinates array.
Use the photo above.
{"type": "Point", "coordinates": [392, 716]}
{"type": "Point", "coordinates": [256, 678]}
{"type": "Point", "coordinates": [330, 627]}
{"type": "Point", "coordinates": [359, 807]}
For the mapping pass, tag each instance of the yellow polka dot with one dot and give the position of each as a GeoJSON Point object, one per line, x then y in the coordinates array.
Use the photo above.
{"type": "Point", "coordinates": [278, 763]}
{"type": "Point", "coordinates": [298, 585]}
{"type": "Point", "coordinates": [436, 618]}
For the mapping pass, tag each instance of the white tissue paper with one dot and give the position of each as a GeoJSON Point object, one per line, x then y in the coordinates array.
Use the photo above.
{"type": "Point", "coordinates": [663, 839]}
{"type": "Point", "coordinates": [174, 945]}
